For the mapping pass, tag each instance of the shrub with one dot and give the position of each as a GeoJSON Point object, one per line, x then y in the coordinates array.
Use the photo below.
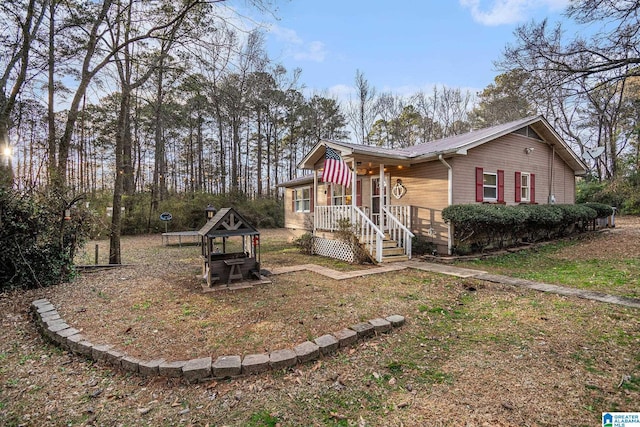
{"type": "Point", "coordinates": [574, 215]}
{"type": "Point", "coordinates": [304, 243]}
{"type": "Point", "coordinates": [421, 245]}
{"type": "Point", "coordinates": [477, 226]}
{"type": "Point", "coordinates": [602, 210]}
{"type": "Point", "coordinates": [38, 243]}
{"type": "Point", "coordinates": [187, 211]}
{"type": "Point", "coordinates": [541, 221]}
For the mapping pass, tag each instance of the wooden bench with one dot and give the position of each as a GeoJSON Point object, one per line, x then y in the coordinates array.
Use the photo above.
{"type": "Point", "coordinates": [235, 272]}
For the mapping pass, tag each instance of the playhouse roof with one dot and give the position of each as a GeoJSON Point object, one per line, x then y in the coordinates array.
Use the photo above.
{"type": "Point", "coordinates": [227, 223]}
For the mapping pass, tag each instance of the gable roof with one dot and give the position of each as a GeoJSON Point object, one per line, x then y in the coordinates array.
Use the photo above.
{"type": "Point", "coordinates": [227, 222]}
{"type": "Point", "coordinates": [453, 145]}
{"type": "Point", "coordinates": [301, 180]}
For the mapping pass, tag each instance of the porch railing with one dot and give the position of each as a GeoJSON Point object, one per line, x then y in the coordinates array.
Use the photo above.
{"type": "Point", "coordinates": [402, 214]}
{"type": "Point", "coordinates": [328, 217]}
{"type": "Point", "coordinates": [396, 228]}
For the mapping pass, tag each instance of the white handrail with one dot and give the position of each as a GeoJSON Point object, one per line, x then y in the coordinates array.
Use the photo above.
{"type": "Point", "coordinates": [367, 228]}
{"type": "Point", "coordinates": [399, 232]}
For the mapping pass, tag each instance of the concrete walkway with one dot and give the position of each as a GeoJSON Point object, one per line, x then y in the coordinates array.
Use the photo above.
{"type": "Point", "coordinates": [463, 273]}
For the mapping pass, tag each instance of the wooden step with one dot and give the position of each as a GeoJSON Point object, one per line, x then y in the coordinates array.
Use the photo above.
{"type": "Point", "coordinates": [389, 244]}
{"type": "Point", "coordinates": [390, 252]}
{"type": "Point", "coordinates": [395, 258]}
{"type": "Point", "coordinates": [385, 243]}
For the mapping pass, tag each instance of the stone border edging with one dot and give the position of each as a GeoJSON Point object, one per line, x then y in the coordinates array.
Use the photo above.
{"type": "Point", "coordinates": [54, 328]}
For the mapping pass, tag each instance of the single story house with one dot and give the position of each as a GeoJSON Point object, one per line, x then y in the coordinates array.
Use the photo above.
{"type": "Point", "coordinates": [395, 194]}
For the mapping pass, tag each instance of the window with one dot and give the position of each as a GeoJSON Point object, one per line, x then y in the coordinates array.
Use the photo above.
{"type": "Point", "coordinates": [529, 132]}
{"type": "Point", "coordinates": [524, 187]}
{"type": "Point", "coordinates": [489, 186]}
{"type": "Point", "coordinates": [302, 199]}
{"type": "Point", "coordinates": [337, 195]}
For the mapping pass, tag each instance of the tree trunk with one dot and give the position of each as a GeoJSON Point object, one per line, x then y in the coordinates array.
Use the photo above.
{"type": "Point", "coordinates": [259, 154]}
{"type": "Point", "coordinates": [51, 120]}
{"type": "Point", "coordinates": [159, 190]}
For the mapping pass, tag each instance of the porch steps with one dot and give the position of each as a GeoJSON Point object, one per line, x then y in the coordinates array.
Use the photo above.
{"type": "Point", "coordinates": [394, 258]}
{"type": "Point", "coordinates": [391, 252]}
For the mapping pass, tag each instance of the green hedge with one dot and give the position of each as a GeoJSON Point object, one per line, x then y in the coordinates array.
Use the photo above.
{"type": "Point", "coordinates": [37, 242]}
{"type": "Point", "coordinates": [601, 209]}
{"type": "Point", "coordinates": [478, 226]}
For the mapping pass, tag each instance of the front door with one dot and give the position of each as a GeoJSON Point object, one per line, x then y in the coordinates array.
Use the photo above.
{"type": "Point", "coordinates": [378, 200]}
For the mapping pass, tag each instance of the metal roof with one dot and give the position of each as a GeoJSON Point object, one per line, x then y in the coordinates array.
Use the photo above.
{"type": "Point", "coordinates": [453, 145]}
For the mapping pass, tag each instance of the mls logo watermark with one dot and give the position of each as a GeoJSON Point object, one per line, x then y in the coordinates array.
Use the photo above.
{"type": "Point", "coordinates": [621, 419]}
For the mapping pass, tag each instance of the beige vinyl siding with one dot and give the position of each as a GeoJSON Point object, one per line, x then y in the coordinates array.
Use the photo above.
{"type": "Point", "coordinates": [296, 220]}
{"type": "Point", "coordinates": [507, 153]}
{"type": "Point", "coordinates": [564, 188]}
{"type": "Point", "coordinates": [427, 194]}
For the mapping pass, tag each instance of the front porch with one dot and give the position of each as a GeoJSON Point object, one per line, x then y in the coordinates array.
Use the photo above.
{"type": "Point", "coordinates": [385, 235]}
{"type": "Point", "coordinates": [383, 195]}
{"type": "Point", "coordinates": [360, 201]}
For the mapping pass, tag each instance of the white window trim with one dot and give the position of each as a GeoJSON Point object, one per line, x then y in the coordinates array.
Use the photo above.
{"type": "Point", "coordinates": [299, 200]}
{"type": "Point", "coordinates": [528, 187]}
{"type": "Point", "coordinates": [485, 186]}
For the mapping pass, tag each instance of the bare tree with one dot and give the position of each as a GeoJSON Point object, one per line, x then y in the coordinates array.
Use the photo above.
{"type": "Point", "coordinates": [98, 52]}
{"type": "Point", "coordinates": [361, 112]}
{"type": "Point", "coordinates": [22, 21]}
{"type": "Point", "coordinates": [580, 82]}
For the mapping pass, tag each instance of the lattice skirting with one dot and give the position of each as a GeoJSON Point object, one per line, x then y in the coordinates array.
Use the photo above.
{"type": "Point", "coordinates": [332, 249]}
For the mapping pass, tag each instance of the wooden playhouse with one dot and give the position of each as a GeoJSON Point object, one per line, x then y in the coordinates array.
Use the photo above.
{"type": "Point", "coordinates": [230, 249]}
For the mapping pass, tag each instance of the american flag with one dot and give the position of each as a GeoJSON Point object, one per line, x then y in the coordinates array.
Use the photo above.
{"type": "Point", "coordinates": [336, 170]}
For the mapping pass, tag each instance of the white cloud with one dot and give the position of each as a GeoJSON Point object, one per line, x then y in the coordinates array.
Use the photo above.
{"type": "Point", "coordinates": [314, 51]}
{"type": "Point", "coordinates": [296, 47]}
{"type": "Point", "coordinates": [501, 12]}
{"type": "Point", "coordinates": [341, 91]}
{"type": "Point", "coordinates": [285, 35]}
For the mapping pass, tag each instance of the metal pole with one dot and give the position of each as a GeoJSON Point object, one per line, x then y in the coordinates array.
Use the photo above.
{"type": "Point", "coordinates": [96, 257]}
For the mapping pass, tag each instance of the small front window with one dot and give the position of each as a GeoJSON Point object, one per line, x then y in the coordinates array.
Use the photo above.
{"type": "Point", "coordinates": [303, 199]}
{"type": "Point", "coordinates": [490, 186]}
{"type": "Point", "coordinates": [337, 195]}
{"type": "Point", "coordinates": [525, 187]}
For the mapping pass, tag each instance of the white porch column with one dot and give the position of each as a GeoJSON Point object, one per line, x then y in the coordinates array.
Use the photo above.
{"type": "Point", "coordinates": [354, 185]}
{"type": "Point", "coordinates": [314, 198]}
{"type": "Point", "coordinates": [382, 197]}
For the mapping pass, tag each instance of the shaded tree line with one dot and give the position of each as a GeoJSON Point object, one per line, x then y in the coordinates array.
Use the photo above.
{"type": "Point", "coordinates": [162, 97]}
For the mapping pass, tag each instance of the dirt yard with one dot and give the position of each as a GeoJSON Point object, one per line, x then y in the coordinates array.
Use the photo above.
{"type": "Point", "coordinates": [471, 353]}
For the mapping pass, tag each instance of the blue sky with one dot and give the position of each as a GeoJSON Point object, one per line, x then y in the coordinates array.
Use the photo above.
{"type": "Point", "coordinates": [401, 46]}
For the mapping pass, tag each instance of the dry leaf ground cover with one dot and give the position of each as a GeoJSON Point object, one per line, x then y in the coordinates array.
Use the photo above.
{"type": "Point", "coordinates": [471, 353]}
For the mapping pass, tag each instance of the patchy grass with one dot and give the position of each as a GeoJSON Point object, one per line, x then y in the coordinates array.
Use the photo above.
{"type": "Point", "coordinates": [471, 353]}
{"type": "Point", "coordinates": [605, 262]}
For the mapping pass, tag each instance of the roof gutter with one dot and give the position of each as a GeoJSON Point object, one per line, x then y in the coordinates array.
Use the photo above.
{"type": "Point", "coordinates": [449, 200]}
